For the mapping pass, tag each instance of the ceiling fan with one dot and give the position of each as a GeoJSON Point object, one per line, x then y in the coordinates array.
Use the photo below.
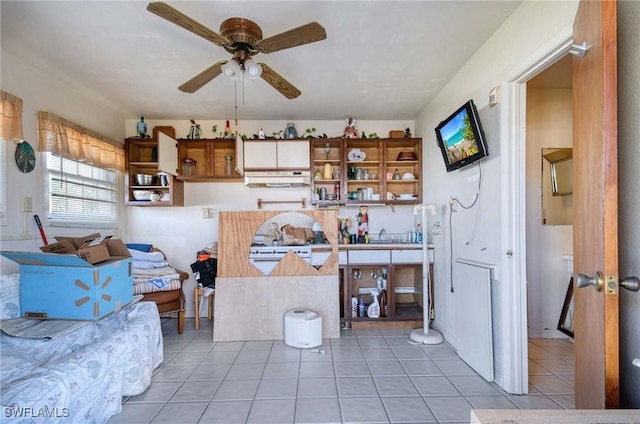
{"type": "Point", "coordinates": [243, 39]}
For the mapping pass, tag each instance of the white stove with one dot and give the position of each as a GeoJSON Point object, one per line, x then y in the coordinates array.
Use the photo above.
{"type": "Point", "coordinates": [266, 258]}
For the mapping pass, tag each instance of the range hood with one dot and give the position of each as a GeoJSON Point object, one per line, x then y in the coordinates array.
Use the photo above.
{"type": "Point", "coordinates": [277, 179]}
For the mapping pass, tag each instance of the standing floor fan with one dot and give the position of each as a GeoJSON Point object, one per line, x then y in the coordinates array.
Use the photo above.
{"type": "Point", "coordinates": [425, 335]}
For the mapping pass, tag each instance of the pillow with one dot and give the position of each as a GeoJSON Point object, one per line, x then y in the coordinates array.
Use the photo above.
{"type": "Point", "coordinates": [139, 246]}
{"type": "Point", "coordinates": [9, 296]}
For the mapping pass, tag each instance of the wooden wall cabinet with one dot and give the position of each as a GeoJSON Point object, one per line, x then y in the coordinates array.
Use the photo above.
{"type": "Point", "coordinates": [150, 156]}
{"type": "Point", "coordinates": [377, 170]}
{"type": "Point", "coordinates": [215, 160]}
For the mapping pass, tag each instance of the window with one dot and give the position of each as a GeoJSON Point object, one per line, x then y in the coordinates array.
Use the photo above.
{"type": "Point", "coordinates": [80, 194]}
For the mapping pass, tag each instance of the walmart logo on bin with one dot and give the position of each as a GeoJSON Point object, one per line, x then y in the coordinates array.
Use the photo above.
{"type": "Point", "coordinates": [85, 299]}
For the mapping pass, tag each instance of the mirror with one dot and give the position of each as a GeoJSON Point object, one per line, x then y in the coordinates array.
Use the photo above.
{"type": "Point", "coordinates": [557, 186]}
{"type": "Point", "coordinates": [565, 323]}
{"type": "Point", "coordinates": [561, 164]}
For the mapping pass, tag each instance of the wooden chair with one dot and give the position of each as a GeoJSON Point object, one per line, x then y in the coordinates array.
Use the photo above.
{"type": "Point", "coordinates": [170, 301]}
{"type": "Point", "coordinates": [198, 294]}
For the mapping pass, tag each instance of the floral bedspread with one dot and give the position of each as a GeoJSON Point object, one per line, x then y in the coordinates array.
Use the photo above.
{"type": "Point", "coordinates": [82, 376]}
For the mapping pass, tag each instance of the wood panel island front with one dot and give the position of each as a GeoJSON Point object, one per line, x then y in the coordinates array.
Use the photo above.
{"type": "Point", "coordinates": [250, 305]}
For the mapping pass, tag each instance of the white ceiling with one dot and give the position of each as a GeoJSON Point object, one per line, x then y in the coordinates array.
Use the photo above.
{"type": "Point", "coordinates": [382, 60]}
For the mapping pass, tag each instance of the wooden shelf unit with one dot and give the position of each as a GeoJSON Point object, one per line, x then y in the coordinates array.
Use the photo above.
{"type": "Point", "coordinates": [380, 163]}
{"type": "Point", "coordinates": [142, 157]}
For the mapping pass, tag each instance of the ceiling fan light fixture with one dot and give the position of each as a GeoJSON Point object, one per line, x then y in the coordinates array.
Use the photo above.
{"type": "Point", "coordinates": [252, 69]}
{"type": "Point", "coordinates": [231, 69]}
{"type": "Point", "coordinates": [243, 39]}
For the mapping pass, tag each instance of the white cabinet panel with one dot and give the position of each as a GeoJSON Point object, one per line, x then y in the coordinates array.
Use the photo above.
{"type": "Point", "coordinates": [260, 155]}
{"type": "Point", "coordinates": [380, 257]}
{"type": "Point", "coordinates": [413, 256]}
{"type": "Point", "coordinates": [167, 154]}
{"type": "Point", "coordinates": [280, 154]}
{"type": "Point", "coordinates": [293, 154]}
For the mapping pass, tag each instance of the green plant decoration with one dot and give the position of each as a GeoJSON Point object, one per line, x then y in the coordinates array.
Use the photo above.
{"type": "Point", "coordinates": [308, 133]}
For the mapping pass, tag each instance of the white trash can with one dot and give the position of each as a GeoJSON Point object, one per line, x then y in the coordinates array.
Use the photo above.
{"type": "Point", "coordinates": [302, 328]}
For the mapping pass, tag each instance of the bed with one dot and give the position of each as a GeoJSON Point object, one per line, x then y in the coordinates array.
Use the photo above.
{"type": "Point", "coordinates": [80, 376]}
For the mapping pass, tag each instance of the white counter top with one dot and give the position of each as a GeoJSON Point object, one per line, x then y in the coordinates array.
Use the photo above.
{"type": "Point", "coordinates": [372, 246]}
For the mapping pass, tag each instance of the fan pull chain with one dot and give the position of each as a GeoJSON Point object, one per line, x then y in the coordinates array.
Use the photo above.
{"type": "Point", "coordinates": [243, 72]}
{"type": "Point", "coordinates": [235, 100]}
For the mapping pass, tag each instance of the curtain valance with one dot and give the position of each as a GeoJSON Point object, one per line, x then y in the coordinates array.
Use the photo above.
{"type": "Point", "coordinates": [11, 113]}
{"type": "Point", "coordinates": [72, 141]}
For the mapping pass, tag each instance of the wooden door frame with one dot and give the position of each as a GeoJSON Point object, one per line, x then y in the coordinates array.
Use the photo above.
{"type": "Point", "coordinates": [513, 212]}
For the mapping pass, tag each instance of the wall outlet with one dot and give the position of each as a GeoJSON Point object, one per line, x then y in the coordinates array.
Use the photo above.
{"type": "Point", "coordinates": [453, 203]}
{"type": "Point", "coordinates": [436, 230]}
{"type": "Point", "coordinates": [26, 205]}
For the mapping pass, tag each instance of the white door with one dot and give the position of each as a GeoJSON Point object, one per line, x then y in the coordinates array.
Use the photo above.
{"type": "Point", "coordinates": [167, 154]}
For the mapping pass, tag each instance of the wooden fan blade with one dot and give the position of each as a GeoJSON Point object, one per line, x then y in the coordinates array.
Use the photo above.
{"type": "Point", "coordinates": [305, 34]}
{"type": "Point", "coordinates": [172, 15]}
{"type": "Point", "coordinates": [278, 82]}
{"type": "Point", "coordinates": [195, 83]}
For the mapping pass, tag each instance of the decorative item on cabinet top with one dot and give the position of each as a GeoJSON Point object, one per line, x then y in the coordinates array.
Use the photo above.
{"type": "Point", "coordinates": [168, 130]}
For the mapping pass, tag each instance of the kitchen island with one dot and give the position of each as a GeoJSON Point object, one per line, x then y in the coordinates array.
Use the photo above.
{"type": "Point", "coordinates": [250, 305]}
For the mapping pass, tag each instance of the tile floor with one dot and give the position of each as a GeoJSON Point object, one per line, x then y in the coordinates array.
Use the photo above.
{"type": "Point", "coordinates": [365, 376]}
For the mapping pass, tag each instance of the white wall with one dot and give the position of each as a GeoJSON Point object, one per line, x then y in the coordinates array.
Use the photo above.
{"type": "Point", "coordinates": [549, 124]}
{"type": "Point", "coordinates": [629, 195]}
{"type": "Point", "coordinates": [40, 92]}
{"type": "Point", "coordinates": [531, 26]}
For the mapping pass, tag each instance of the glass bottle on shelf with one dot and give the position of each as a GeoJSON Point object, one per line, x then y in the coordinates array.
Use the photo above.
{"type": "Point", "coordinates": [228, 168]}
{"type": "Point", "coordinates": [227, 130]}
{"type": "Point", "coordinates": [327, 150]}
{"type": "Point", "coordinates": [396, 174]}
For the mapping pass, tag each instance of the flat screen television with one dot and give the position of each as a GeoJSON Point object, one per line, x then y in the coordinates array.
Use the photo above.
{"type": "Point", "coordinates": [461, 138]}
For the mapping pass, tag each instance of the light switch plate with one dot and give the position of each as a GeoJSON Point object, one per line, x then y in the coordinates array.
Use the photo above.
{"type": "Point", "coordinates": [26, 205]}
{"type": "Point", "coordinates": [494, 96]}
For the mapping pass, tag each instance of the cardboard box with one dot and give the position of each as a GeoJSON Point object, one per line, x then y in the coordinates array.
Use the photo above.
{"type": "Point", "coordinates": [78, 241]}
{"type": "Point", "coordinates": [396, 134]}
{"type": "Point", "coordinates": [92, 248]}
{"type": "Point", "coordinates": [64, 286]}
